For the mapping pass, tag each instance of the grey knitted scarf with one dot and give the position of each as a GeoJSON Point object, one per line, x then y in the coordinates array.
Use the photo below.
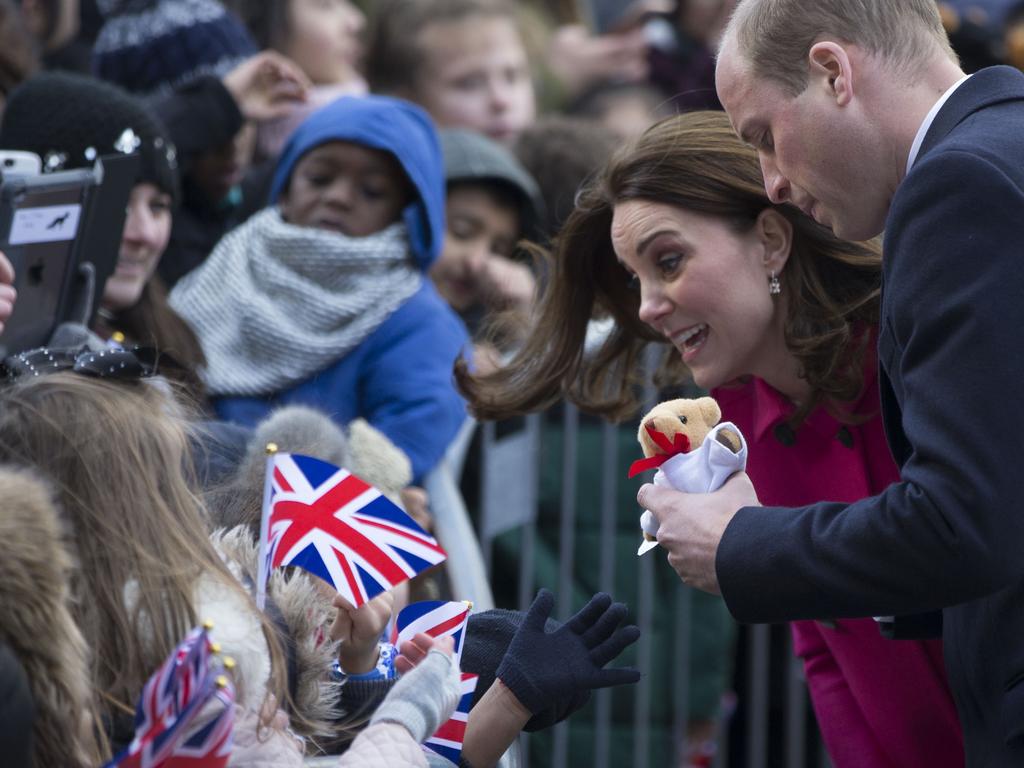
{"type": "Point", "coordinates": [275, 303]}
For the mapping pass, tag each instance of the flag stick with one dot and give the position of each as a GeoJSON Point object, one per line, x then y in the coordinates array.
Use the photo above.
{"type": "Point", "coordinates": [263, 574]}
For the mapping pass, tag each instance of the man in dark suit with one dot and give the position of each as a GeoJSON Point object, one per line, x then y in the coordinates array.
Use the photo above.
{"type": "Point", "coordinates": [863, 118]}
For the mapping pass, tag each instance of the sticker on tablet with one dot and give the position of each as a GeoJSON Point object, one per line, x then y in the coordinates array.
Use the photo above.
{"type": "Point", "coordinates": [45, 224]}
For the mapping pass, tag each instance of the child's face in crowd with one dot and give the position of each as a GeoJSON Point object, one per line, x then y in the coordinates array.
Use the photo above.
{"type": "Point", "coordinates": [479, 241]}
{"type": "Point", "coordinates": [216, 171]}
{"type": "Point", "coordinates": [476, 75]}
{"type": "Point", "coordinates": [347, 188]}
{"type": "Point", "coordinates": [324, 39]}
{"type": "Point", "coordinates": [147, 228]}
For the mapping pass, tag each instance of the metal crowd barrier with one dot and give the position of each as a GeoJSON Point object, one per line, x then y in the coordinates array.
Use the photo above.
{"type": "Point", "coordinates": [509, 495]}
{"type": "Point", "coordinates": [509, 502]}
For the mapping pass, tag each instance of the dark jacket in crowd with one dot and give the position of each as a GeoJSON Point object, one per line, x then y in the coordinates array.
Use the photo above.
{"type": "Point", "coordinates": [199, 117]}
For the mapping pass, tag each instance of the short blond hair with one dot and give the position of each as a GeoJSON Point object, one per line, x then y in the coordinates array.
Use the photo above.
{"type": "Point", "coordinates": [774, 36]}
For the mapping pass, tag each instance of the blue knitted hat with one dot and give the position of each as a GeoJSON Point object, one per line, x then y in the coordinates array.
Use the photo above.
{"type": "Point", "coordinates": [151, 46]}
{"type": "Point", "coordinates": [392, 125]}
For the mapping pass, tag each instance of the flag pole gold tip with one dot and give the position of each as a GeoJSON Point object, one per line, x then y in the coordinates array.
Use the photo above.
{"type": "Point", "coordinates": [271, 449]}
{"type": "Point", "coordinates": [222, 682]}
{"type": "Point", "coordinates": [215, 648]}
{"type": "Point", "coordinates": [229, 663]}
{"type": "Point", "coordinates": [208, 624]}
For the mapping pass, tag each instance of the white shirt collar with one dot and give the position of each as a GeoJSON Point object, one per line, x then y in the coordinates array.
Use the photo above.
{"type": "Point", "coordinates": [915, 148]}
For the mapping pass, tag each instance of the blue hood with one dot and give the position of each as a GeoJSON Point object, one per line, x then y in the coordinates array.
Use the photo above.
{"type": "Point", "coordinates": [392, 125]}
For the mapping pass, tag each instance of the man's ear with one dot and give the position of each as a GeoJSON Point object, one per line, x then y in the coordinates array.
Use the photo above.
{"type": "Point", "coordinates": [775, 233]}
{"type": "Point", "coordinates": [830, 68]}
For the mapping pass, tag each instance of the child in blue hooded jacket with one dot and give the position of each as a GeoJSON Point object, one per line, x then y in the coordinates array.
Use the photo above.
{"type": "Point", "coordinates": [321, 299]}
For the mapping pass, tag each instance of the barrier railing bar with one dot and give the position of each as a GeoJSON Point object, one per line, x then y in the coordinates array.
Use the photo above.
{"type": "Point", "coordinates": [796, 711]}
{"type": "Point", "coordinates": [642, 711]}
{"type": "Point", "coordinates": [681, 662]}
{"type": "Point", "coordinates": [609, 513]}
{"type": "Point", "coordinates": [487, 438]}
{"type": "Point", "coordinates": [566, 548]}
{"type": "Point", "coordinates": [757, 694]}
{"type": "Point", "coordinates": [529, 531]}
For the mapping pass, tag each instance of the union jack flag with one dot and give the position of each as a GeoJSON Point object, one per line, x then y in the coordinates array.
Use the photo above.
{"type": "Point", "coordinates": [436, 618]}
{"type": "Point", "coordinates": [209, 746]}
{"type": "Point", "coordinates": [329, 522]}
{"type": "Point", "coordinates": [439, 618]}
{"type": "Point", "coordinates": [447, 742]}
{"type": "Point", "coordinates": [191, 678]}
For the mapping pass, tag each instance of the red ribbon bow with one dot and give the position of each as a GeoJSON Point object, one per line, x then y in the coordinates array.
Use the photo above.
{"type": "Point", "coordinates": [679, 444]}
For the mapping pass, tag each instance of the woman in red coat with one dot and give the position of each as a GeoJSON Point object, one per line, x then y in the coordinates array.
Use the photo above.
{"type": "Point", "coordinates": [677, 242]}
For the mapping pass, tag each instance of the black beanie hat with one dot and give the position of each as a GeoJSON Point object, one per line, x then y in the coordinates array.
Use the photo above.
{"type": "Point", "coordinates": [69, 119]}
{"type": "Point", "coordinates": [488, 636]}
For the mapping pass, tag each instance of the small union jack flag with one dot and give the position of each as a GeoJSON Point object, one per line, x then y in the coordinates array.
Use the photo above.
{"type": "Point", "coordinates": [448, 740]}
{"type": "Point", "coordinates": [189, 680]}
{"type": "Point", "coordinates": [329, 522]}
{"type": "Point", "coordinates": [210, 745]}
{"type": "Point", "coordinates": [439, 618]}
{"type": "Point", "coordinates": [436, 618]}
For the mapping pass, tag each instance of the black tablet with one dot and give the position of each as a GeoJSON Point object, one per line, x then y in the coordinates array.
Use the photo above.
{"type": "Point", "coordinates": [41, 218]}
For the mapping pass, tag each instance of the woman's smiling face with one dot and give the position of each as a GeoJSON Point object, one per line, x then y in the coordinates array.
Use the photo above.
{"type": "Point", "coordinates": [147, 230]}
{"type": "Point", "coordinates": [703, 286]}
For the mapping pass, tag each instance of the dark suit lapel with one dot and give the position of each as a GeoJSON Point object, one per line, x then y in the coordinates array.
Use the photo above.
{"type": "Point", "coordinates": [986, 87]}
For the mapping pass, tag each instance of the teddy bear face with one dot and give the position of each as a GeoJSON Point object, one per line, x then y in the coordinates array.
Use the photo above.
{"type": "Point", "coordinates": [685, 420]}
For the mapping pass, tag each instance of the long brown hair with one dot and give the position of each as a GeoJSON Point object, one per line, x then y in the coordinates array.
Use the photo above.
{"type": "Point", "coordinates": [117, 455]}
{"type": "Point", "coordinates": [696, 162]}
{"type": "Point", "coordinates": [152, 323]}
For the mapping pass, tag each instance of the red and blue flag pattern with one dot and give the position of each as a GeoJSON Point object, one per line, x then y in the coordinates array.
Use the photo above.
{"type": "Point", "coordinates": [190, 683]}
{"type": "Point", "coordinates": [449, 738]}
{"type": "Point", "coordinates": [439, 618]}
{"type": "Point", "coordinates": [331, 523]}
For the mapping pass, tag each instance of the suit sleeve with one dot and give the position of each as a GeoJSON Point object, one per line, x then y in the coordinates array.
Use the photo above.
{"type": "Point", "coordinates": [952, 529]}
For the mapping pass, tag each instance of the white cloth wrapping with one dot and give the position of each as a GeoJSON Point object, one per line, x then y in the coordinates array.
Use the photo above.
{"type": "Point", "coordinates": [700, 471]}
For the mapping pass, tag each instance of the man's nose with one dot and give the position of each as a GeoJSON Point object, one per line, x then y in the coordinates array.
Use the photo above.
{"type": "Point", "coordinates": [775, 184]}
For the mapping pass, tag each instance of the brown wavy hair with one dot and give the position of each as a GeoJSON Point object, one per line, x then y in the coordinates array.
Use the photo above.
{"type": "Point", "coordinates": [696, 162]}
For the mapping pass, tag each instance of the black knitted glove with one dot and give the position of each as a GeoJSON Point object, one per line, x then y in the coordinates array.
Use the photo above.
{"type": "Point", "coordinates": [540, 666]}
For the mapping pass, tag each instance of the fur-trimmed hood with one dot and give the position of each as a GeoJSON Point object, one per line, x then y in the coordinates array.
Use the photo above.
{"type": "Point", "coordinates": [302, 616]}
{"type": "Point", "coordinates": [36, 570]}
